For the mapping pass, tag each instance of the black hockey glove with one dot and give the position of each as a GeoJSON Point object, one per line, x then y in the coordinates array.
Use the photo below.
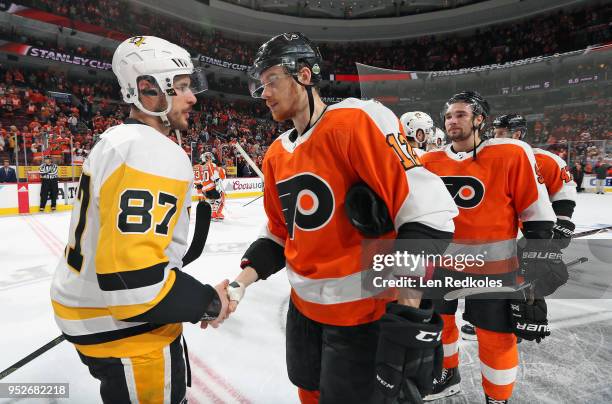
{"type": "Point", "coordinates": [563, 232]}
{"type": "Point", "coordinates": [541, 264]}
{"type": "Point", "coordinates": [409, 355]}
{"type": "Point", "coordinates": [199, 186]}
{"type": "Point", "coordinates": [529, 320]}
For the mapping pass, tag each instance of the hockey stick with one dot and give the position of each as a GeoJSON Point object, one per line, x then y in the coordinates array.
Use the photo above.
{"type": "Point", "coordinates": [202, 226]}
{"type": "Point", "coordinates": [249, 161]}
{"type": "Point", "coordinates": [31, 356]}
{"type": "Point", "coordinates": [252, 164]}
{"type": "Point", "coordinates": [248, 203]}
{"type": "Point", "coordinates": [200, 233]}
{"type": "Point", "coordinates": [593, 231]}
{"type": "Point", "coordinates": [462, 293]}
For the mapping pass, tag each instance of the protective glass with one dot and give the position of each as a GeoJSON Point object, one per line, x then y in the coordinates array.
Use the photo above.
{"type": "Point", "coordinates": [196, 83]}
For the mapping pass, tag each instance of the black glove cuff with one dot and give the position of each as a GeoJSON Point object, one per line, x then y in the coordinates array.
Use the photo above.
{"type": "Point", "coordinates": [213, 310]}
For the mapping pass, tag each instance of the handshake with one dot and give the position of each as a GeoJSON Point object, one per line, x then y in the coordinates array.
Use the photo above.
{"type": "Point", "coordinates": [229, 295]}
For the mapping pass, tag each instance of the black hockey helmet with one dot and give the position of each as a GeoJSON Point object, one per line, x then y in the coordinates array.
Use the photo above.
{"type": "Point", "coordinates": [512, 122]}
{"type": "Point", "coordinates": [480, 106]}
{"type": "Point", "coordinates": [287, 50]}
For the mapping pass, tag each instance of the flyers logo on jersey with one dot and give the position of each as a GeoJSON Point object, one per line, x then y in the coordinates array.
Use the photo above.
{"type": "Point", "coordinates": [467, 192]}
{"type": "Point", "coordinates": [307, 200]}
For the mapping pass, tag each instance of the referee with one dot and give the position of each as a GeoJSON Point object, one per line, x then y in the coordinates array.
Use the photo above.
{"type": "Point", "coordinates": [48, 173]}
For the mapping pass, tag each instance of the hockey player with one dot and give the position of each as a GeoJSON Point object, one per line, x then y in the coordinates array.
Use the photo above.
{"type": "Point", "coordinates": [344, 344]}
{"type": "Point", "coordinates": [212, 186]}
{"type": "Point", "coordinates": [437, 139]}
{"type": "Point", "coordinates": [559, 183]}
{"type": "Point", "coordinates": [560, 186]}
{"type": "Point", "coordinates": [119, 294]}
{"type": "Point", "coordinates": [419, 128]}
{"type": "Point", "coordinates": [198, 178]}
{"type": "Point", "coordinates": [495, 184]}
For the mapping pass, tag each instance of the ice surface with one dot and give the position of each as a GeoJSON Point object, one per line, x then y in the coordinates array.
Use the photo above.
{"type": "Point", "coordinates": [244, 360]}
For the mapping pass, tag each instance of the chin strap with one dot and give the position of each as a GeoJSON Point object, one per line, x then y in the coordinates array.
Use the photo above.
{"type": "Point", "coordinates": [310, 106]}
{"type": "Point", "coordinates": [178, 135]}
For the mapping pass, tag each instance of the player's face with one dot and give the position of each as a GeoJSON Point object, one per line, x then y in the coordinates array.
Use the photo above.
{"type": "Point", "coordinates": [459, 121]}
{"type": "Point", "coordinates": [501, 133]}
{"type": "Point", "coordinates": [280, 92]}
{"type": "Point", "coordinates": [182, 103]}
{"type": "Point", "coordinates": [420, 136]}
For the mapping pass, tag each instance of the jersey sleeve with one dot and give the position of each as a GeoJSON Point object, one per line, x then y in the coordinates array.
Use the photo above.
{"type": "Point", "coordinates": [382, 157]}
{"type": "Point", "coordinates": [527, 186]}
{"type": "Point", "coordinates": [137, 245]}
{"type": "Point", "coordinates": [275, 229]}
{"type": "Point", "coordinates": [559, 183]}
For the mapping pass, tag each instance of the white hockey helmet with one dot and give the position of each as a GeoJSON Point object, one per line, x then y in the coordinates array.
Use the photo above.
{"type": "Point", "coordinates": [415, 120]}
{"type": "Point", "coordinates": [438, 139]}
{"type": "Point", "coordinates": [154, 58]}
{"type": "Point", "coordinates": [207, 156]}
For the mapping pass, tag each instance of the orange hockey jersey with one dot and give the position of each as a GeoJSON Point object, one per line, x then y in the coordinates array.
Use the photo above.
{"type": "Point", "coordinates": [557, 177]}
{"type": "Point", "coordinates": [493, 192]}
{"type": "Point", "coordinates": [207, 175]}
{"type": "Point", "coordinates": [304, 191]}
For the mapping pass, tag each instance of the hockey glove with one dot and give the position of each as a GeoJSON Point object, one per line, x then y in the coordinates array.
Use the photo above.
{"type": "Point", "coordinates": [529, 321]}
{"type": "Point", "coordinates": [541, 264]}
{"type": "Point", "coordinates": [409, 355]}
{"type": "Point", "coordinates": [563, 232]}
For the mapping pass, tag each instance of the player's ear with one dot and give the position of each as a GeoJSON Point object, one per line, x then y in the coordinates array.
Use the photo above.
{"type": "Point", "coordinates": [305, 75]}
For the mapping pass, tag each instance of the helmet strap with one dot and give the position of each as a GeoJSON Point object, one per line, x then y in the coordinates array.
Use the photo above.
{"type": "Point", "coordinates": [310, 106]}
{"type": "Point", "coordinates": [163, 115]}
{"type": "Point", "coordinates": [308, 88]}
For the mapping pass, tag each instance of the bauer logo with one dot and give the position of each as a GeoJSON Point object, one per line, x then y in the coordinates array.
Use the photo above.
{"type": "Point", "coordinates": [467, 192]}
{"type": "Point", "coordinates": [533, 327]}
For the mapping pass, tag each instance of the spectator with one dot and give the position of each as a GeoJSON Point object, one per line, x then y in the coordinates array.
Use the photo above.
{"type": "Point", "coordinates": [578, 175]}
{"type": "Point", "coordinates": [601, 172]}
{"type": "Point", "coordinates": [7, 173]}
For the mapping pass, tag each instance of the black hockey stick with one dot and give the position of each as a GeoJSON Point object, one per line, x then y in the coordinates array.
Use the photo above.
{"type": "Point", "coordinates": [464, 292]}
{"type": "Point", "coordinates": [248, 203]}
{"type": "Point", "coordinates": [200, 233]}
{"type": "Point", "coordinates": [202, 225]}
{"type": "Point", "coordinates": [590, 232]}
{"type": "Point", "coordinates": [31, 356]}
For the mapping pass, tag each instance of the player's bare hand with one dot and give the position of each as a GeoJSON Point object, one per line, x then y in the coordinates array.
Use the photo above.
{"type": "Point", "coordinates": [221, 289]}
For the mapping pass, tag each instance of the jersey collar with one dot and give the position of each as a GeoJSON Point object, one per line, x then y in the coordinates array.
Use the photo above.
{"type": "Point", "coordinates": [464, 155]}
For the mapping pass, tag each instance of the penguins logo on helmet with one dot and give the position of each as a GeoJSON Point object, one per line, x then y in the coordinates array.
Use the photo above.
{"type": "Point", "coordinates": [137, 40]}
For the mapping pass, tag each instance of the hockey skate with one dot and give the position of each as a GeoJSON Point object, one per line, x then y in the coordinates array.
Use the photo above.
{"type": "Point", "coordinates": [445, 386]}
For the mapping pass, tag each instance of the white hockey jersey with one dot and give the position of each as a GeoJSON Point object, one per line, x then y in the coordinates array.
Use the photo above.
{"type": "Point", "coordinates": [129, 228]}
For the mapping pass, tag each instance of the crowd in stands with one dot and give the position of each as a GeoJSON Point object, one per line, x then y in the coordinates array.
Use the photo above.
{"type": "Point", "coordinates": [576, 134]}
{"type": "Point", "coordinates": [541, 35]}
{"type": "Point", "coordinates": [32, 121]}
{"type": "Point", "coordinates": [67, 123]}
